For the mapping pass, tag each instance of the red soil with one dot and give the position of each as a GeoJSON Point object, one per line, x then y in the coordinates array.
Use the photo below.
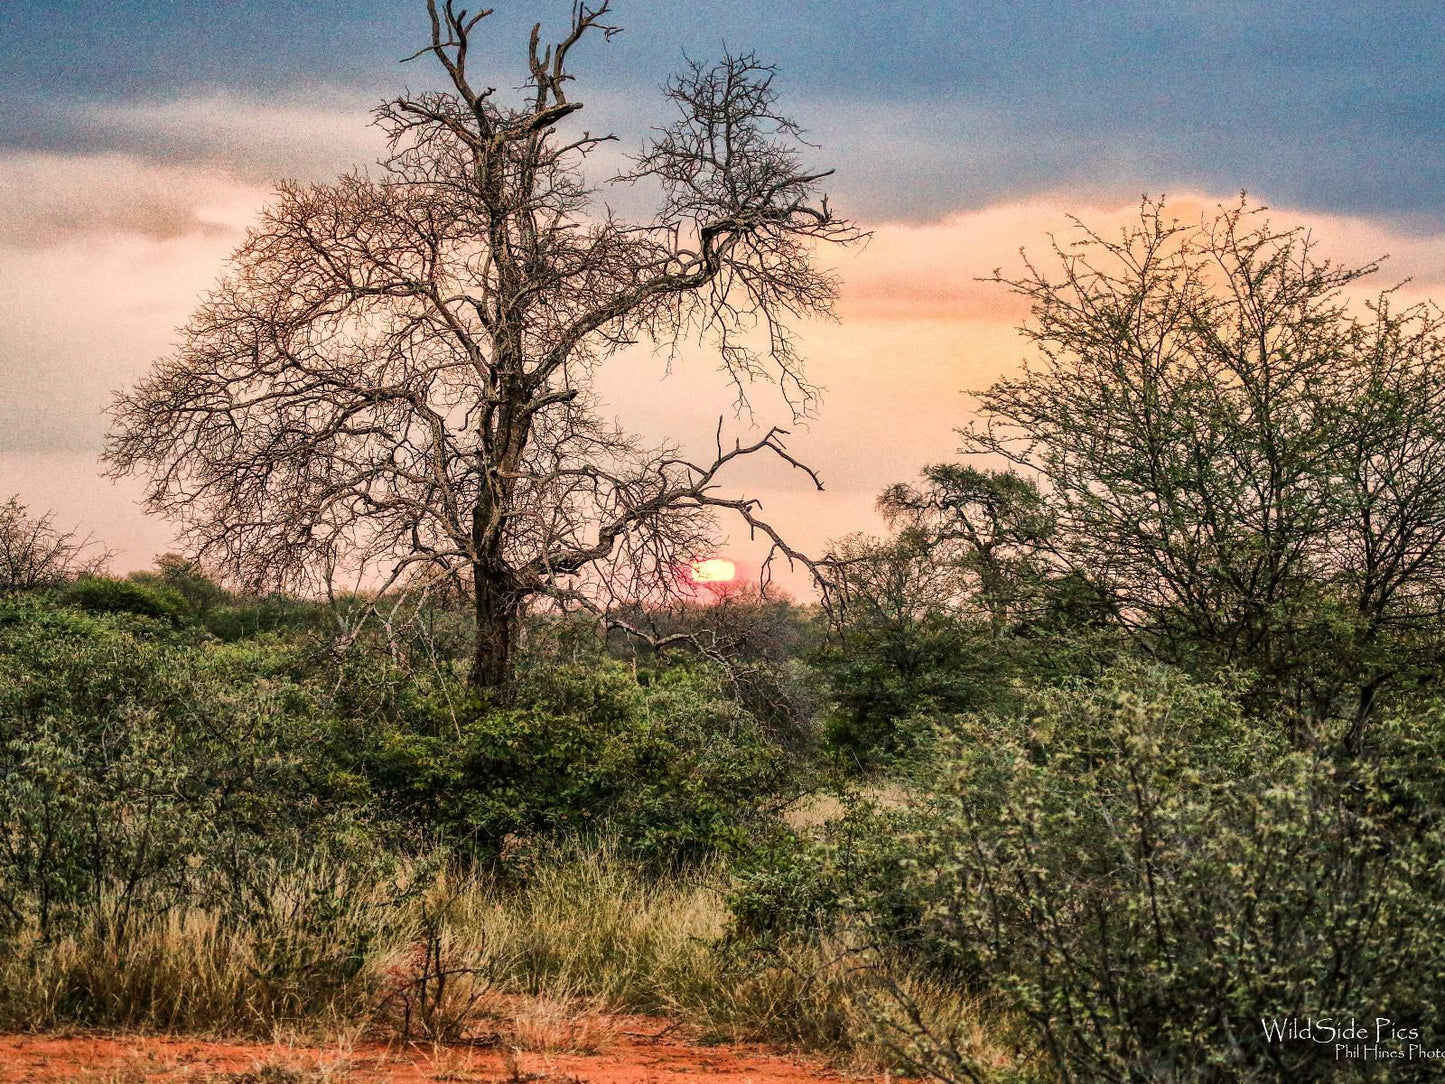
{"type": "Point", "coordinates": [638, 1051]}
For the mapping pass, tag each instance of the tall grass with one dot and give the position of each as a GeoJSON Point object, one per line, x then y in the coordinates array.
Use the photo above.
{"type": "Point", "coordinates": [301, 957]}
{"type": "Point", "coordinates": [450, 956]}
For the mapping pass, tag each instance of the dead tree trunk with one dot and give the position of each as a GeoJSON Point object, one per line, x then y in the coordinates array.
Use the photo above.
{"type": "Point", "coordinates": [498, 617]}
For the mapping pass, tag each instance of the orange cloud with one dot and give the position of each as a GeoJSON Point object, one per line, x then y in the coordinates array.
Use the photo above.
{"type": "Point", "coordinates": [937, 270]}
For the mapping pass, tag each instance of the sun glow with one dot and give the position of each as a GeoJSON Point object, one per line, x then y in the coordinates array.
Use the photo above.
{"type": "Point", "coordinates": [713, 570]}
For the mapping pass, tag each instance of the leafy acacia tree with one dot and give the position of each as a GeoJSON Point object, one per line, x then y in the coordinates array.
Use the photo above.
{"type": "Point", "coordinates": [902, 642]}
{"type": "Point", "coordinates": [1253, 472]}
{"type": "Point", "coordinates": [392, 381]}
{"type": "Point", "coordinates": [992, 525]}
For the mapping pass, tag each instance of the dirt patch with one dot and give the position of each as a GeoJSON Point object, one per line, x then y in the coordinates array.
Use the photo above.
{"type": "Point", "coordinates": [637, 1050]}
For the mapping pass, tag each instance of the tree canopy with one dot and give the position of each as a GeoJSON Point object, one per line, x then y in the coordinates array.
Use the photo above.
{"type": "Point", "coordinates": [1251, 470]}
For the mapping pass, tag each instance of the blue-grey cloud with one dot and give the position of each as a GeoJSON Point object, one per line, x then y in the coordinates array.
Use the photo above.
{"type": "Point", "coordinates": [932, 105]}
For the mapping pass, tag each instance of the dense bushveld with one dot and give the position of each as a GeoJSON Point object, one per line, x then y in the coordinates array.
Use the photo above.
{"type": "Point", "coordinates": [214, 822]}
{"type": "Point", "coordinates": [1088, 769]}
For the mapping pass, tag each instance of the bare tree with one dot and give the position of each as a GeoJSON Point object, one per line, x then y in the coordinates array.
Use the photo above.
{"type": "Point", "coordinates": [35, 554]}
{"type": "Point", "coordinates": [392, 381]}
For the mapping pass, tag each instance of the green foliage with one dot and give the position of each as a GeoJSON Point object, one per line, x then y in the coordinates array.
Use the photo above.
{"type": "Point", "coordinates": [186, 579]}
{"type": "Point", "coordinates": [1243, 462]}
{"type": "Point", "coordinates": [673, 768]}
{"type": "Point", "coordinates": [757, 639]}
{"type": "Point", "coordinates": [1144, 873]}
{"type": "Point", "coordinates": [139, 768]}
{"type": "Point", "coordinates": [913, 638]}
{"type": "Point", "coordinates": [241, 617]}
{"type": "Point", "coordinates": [137, 753]}
{"type": "Point", "coordinates": [882, 679]}
{"type": "Point", "coordinates": [180, 591]}
{"type": "Point", "coordinates": [105, 595]}
{"type": "Point", "coordinates": [887, 684]}
{"type": "Point", "coordinates": [792, 885]}
{"type": "Point", "coordinates": [902, 645]}
{"type": "Point", "coordinates": [992, 526]}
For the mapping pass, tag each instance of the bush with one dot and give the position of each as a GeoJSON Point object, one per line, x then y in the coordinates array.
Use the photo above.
{"type": "Point", "coordinates": [1144, 874]}
{"type": "Point", "coordinates": [140, 770]}
{"type": "Point", "coordinates": [104, 595]}
{"type": "Point", "coordinates": [756, 638]}
{"type": "Point", "coordinates": [887, 684]}
{"type": "Point", "coordinates": [185, 579]}
{"type": "Point", "coordinates": [801, 885]}
{"type": "Point", "coordinates": [242, 617]}
{"type": "Point", "coordinates": [143, 766]}
{"type": "Point", "coordinates": [877, 678]}
{"type": "Point", "coordinates": [674, 769]}
{"type": "Point", "coordinates": [35, 555]}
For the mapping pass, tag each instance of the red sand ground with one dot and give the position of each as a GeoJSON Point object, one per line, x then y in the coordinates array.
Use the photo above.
{"type": "Point", "coordinates": [641, 1051]}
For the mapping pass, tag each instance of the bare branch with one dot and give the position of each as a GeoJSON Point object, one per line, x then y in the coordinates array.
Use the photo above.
{"type": "Point", "coordinates": [35, 554]}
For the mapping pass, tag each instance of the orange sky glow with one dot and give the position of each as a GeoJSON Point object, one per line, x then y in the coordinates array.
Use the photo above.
{"type": "Point", "coordinates": [916, 332]}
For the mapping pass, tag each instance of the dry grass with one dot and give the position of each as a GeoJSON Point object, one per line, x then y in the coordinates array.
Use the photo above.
{"type": "Point", "coordinates": [191, 970]}
{"type": "Point", "coordinates": [536, 968]}
{"type": "Point", "coordinates": [813, 811]}
{"type": "Point", "coordinates": [551, 1025]}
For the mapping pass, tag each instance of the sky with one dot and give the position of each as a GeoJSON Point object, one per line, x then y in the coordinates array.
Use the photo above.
{"type": "Point", "coordinates": [139, 138]}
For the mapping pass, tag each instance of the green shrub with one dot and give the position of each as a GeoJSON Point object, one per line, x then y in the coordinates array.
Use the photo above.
{"type": "Point", "coordinates": [102, 594]}
{"type": "Point", "coordinates": [878, 677]}
{"type": "Point", "coordinates": [246, 616]}
{"type": "Point", "coordinates": [793, 886]}
{"type": "Point", "coordinates": [886, 686]}
{"type": "Point", "coordinates": [138, 770]}
{"type": "Point", "coordinates": [183, 578]}
{"type": "Point", "coordinates": [674, 768]}
{"type": "Point", "coordinates": [1144, 874]}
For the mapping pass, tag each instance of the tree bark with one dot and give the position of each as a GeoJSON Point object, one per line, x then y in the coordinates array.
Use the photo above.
{"type": "Point", "coordinates": [498, 621]}
{"type": "Point", "coordinates": [497, 605]}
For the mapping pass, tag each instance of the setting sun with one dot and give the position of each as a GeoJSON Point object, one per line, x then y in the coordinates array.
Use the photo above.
{"type": "Point", "coordinates": [714, 570]}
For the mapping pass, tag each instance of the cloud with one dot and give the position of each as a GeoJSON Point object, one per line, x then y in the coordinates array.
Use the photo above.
{"type": "Point", "coordinates": [943, 268]}
{"type": "Point", "coordinates": [898, 158]}
{"type": "Point", "coordinates": [102, 256]}
{"type": "Point", "coordinates": [962, 150]}
{"type": "Point", "coordinates": [929, 107]}
{"type": "Point", "coordinates": [311, 138]}
{"type": "Point", "coordinates": [308, 135]}
{"type": "Point", "coordinates": [53, 198]}
{"type": "Point", "coordinates": [86, 312]}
